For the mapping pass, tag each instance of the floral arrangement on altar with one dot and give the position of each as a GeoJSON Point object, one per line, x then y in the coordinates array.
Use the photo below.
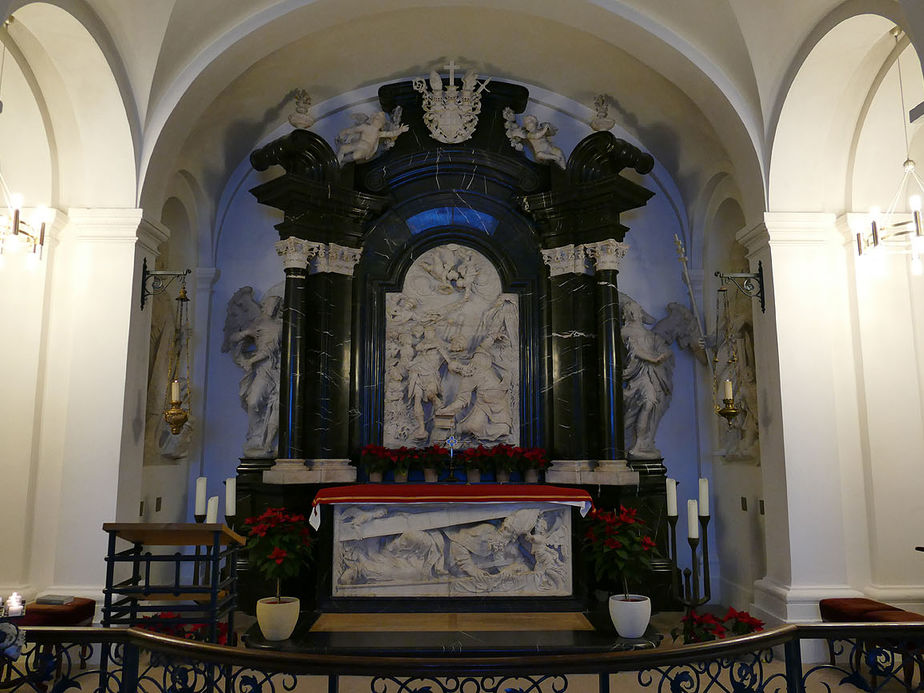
{"type": "Point", "coordinates": [278, 544]}
{"type": "Point", "coordinates": [697, 627]}
{"type": "Point", "coordinates": [508, 458]}
{"type": "Point", "coordinates": [167, 622]}
{"type": "Point", "coordinates": [618, 546]}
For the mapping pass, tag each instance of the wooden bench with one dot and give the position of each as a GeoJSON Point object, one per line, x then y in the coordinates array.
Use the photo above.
{"type": "Point", "coordinates": [863, 610]}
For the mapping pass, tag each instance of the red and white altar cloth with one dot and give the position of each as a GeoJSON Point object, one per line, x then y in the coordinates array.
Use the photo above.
{"type": "Point", "coordinates": [370, 494]}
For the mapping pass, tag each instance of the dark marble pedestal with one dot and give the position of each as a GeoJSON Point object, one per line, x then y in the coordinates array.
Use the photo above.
{"type": "Point", "coordinates": [386, 643]}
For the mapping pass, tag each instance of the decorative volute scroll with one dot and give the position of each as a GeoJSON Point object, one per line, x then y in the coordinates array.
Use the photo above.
{"type": "Point", "coordinates": [603, 154]}
{"type": "Point", "coordinates": [300, 152]}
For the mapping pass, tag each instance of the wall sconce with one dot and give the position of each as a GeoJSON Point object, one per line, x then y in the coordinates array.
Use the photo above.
{"type": "Point", "coordinates": [17, 233]}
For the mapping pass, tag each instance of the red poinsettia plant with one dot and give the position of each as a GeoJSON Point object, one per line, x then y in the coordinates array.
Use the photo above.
{"type": "Point", "coordinates": [168, 623]}
{"type": "Point", "coordinates": [619, 546]}
{"type": "Point", "coordinates": [278, 545]}
{"type": "Point", "coordinates": [704, 627]}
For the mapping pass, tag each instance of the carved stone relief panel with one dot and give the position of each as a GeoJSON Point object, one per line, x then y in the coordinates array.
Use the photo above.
{"type": "Point", "coordinates": [454, 550]}
{"type": "Point", "coordinates": [451, 353]}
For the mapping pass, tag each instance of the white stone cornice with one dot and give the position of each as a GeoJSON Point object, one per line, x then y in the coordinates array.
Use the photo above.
{"type": "Point", "coordinates": [754, 239]}
{"type": "Point", "coordinates": [567, 259]}
{"type": "Point", "coordinates": [606, 254]}
{"type": "Point", "coordinates": [294, 252]}
{"type": "Point", "coordinates": [800, 228]}
{"type": "Point", "coordinates": [105, 224]}
{"type": "Point", "coordinates": [151, 235]}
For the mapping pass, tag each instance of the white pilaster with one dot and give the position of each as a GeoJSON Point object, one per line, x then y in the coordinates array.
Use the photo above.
{"type": "Point", "coordinates": [93, 399]}
{"type": "Point", "coordinates": [808, 419]}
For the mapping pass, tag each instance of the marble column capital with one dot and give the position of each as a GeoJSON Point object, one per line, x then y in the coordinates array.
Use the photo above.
{"type": "Point", "coordinates": [567, 259]}
{"type": "Point", "coordinates": [330, 258]}
{"type": "Point", "coordinates": [294, 252]}
{"type": "Point", "coordinates": [606, 254]}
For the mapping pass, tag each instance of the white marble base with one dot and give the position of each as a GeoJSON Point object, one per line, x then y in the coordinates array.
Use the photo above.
{"type": "Point", "coordinates": [583, 472]}
{"type": "Point", "coordinates": [452, 550]}
{"type": "Point", "coordinates": [334, 471]}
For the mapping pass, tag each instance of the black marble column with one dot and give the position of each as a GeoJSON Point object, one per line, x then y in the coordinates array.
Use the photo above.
{"type": "Point", "coordinates": [610, 364]}
{"type": "Point", "coordinates": [329, 324]}
{"type": "Point", "coordinates": [292, 373]}
{"type": "Point", "coordinates": [574, 367]}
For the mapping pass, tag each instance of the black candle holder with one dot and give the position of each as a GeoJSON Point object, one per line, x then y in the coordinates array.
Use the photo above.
{"type": "Point", "coordinates": [199, 520]}
{"type": "Point", "coordinates": [696, 589]}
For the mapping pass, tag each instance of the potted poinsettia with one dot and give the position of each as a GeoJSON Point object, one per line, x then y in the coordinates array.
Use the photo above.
{"type": "Point", "coordinates": [278, 545]}
{"type": "Point", "coordinates": [620, 549]}
{"type": "Point", "coordinates": [376, 460]}
{"type": "Point", "coordinates": [532, 461]}
{"type": "Point", "coordinates": [705, 627]}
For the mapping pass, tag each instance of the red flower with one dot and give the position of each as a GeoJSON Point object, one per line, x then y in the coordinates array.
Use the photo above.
{"type": "Point", "coordinates": [647, 543]}
{"type": "Point", "coordinates": [278, 555]}
{"type": "Point", "coordinates": [612, 543]}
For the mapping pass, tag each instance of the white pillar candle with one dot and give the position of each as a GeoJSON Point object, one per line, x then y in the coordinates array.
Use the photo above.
{"type": "Point", "coordinates": [14, 605]}
{"type": "Point", "coordinates": [704, 497]}
{"type": "Point", "coordinates": [231, 496]}
{"type": "Point", "coordinates": [729, 394]}
{"type": "Point", "coordinates": [672, 497]}
{"type": "Point", "coordinates": [200, 496]}
{"type": "Point", "coordinates": [692, 519]}
{"type": "Point", "coordinates": [211, 515]}
{"type": "Point", "coordinates": [175, 391]}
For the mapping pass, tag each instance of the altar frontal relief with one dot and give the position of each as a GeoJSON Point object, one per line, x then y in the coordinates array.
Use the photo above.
{"type": "Point", "coordinates": [459, 550]}
{"type": "Point", "coordinates": [452, 353]}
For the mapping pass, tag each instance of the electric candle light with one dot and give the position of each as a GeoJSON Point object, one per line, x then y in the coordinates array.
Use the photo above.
{"type": "Point", "coordinates": [14, 605]}
{"type": "Point", "coordinates": [175, 391]}
{"type": "Point", "coordinates": [230, 496]}
{"type": "Point", "coordinates": [211, 515]}
{"type": "Point", "coordinates": [692, 519]}
{"type": "Point", "coordinates": [671, 497]}
{"type": "Point", "coordinates": [728, 390]}
{"type": "Point", "coordinates": [200, 496]}
{"type": "Point", "coordinates": [704, 497]}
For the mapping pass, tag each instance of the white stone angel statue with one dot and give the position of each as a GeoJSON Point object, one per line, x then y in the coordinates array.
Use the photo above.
{"type": "Point", "coordinates": [535, 134]}
{"type": "Point", "coordinates": [360, 142]}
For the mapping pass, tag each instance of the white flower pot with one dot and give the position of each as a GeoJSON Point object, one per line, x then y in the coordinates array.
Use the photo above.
{"type": "Point", "coordinates": [630, 614]}
{"type": "Point", "coordinates": [502, 476]}
{"type": "Point", "coordinates": [277, 619]}
{"type": "Point", "coordinates": [431, 476]}
{"type": "Point", "coordinates": [375, 477]}
{"type": "Point", "coordinates": [400, 477]}
{"type": "Point", "coordinates": [473, 475]}
{"type": "Point", "coordinates": [531, 476]}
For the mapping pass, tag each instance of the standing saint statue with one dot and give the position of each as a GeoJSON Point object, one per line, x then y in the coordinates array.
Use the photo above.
{"type": "Point", "coordinates": [253, 336]}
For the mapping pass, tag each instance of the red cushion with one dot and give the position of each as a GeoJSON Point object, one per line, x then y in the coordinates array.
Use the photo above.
{"type": "Point", "coordinates": [850, 609]}
{"type": "Point", "coordinates": [77, 613]}
{"type": "Point", "coordinates": [893, 616]}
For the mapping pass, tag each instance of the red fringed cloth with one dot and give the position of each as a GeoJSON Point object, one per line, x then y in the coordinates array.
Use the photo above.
{"type": "Point", "coordinates": [371, 494]}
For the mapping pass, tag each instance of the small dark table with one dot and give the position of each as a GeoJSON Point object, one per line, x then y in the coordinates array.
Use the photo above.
{"type": "Point", "coordinates": [464, 643]}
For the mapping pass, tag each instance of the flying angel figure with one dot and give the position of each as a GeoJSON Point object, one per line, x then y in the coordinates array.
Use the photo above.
{"type": "Point", "coordinates": [360, 142]}
{"type": "Point", "coordinates": [538, 136]}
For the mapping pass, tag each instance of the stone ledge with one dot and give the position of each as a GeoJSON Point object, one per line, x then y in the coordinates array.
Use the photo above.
{"type": "Point", "coordinates": [310, 472]}
{"type": "Point", "coordinates": [584, 473]}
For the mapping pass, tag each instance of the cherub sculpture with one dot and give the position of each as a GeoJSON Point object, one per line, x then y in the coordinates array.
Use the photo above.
{"type": "Point", "coordinates": [601, 120]}
{"type": "Point", "coordinates": [360, 142]}
{"type": "Point", "coordinates": [535, 134]}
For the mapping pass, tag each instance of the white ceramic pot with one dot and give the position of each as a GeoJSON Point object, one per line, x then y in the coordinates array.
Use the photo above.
{"type": "Point", "coordinates": [400, 477]}
{"type": "Point", "coordinates": [375, 477]}
{"type": "Point", "coordinates": [531, 476]}
{"type": "Point", "coordinates": [502, 476]}
{"type": "Point", "coordinates": [431, 476]}
{"type": "Point", "coordinates": [473, 475]}
{"type": "Point", "coordinates": [630, 614]}
{"type": "Point", "coordinates": [277, 619]}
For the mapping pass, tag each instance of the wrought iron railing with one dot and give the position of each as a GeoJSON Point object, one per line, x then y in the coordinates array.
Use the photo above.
{"type": "Point", "coordinates": [870, 657]}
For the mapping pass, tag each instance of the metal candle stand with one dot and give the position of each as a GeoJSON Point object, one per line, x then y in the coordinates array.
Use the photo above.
{"type": "Point", "coordinates": [692, 595]}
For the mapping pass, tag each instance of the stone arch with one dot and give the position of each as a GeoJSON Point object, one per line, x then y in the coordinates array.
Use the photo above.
{"type": "Point", "coordinates": [89, 114]}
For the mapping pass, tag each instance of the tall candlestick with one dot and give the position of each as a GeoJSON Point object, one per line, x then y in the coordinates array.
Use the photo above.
{"type": "Point", "coordinates": [729, 394]}
{"type": "Point", "coordinates": [704, 497]}
{"type": "Point", "coordinates": [692, 519]}
{"type": "Point", "coordinates": [231, 496]}
{"type": "Point", "coordinates": [211, 515]}
{"type": "Point", "coordinates": [200, 496]}
{"type": "Point", "coordinates": [175, 391]}
{"type": "Point", "coordinates": [671, 497]}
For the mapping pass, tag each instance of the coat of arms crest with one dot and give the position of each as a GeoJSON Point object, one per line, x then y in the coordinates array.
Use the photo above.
{"type": "Point", "coordinates": [451, 113]}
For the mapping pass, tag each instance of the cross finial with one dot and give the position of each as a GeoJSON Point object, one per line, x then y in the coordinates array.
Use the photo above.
{"type": "Point", "coordinates": [452, 71]}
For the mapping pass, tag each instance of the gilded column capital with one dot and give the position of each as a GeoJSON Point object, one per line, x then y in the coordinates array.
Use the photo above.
{"type": "Point", "coordinates": [294, 252]}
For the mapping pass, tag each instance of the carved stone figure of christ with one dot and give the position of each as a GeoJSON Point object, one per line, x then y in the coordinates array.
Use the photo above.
{"type": "Point", "coordinates": [424, 378]}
